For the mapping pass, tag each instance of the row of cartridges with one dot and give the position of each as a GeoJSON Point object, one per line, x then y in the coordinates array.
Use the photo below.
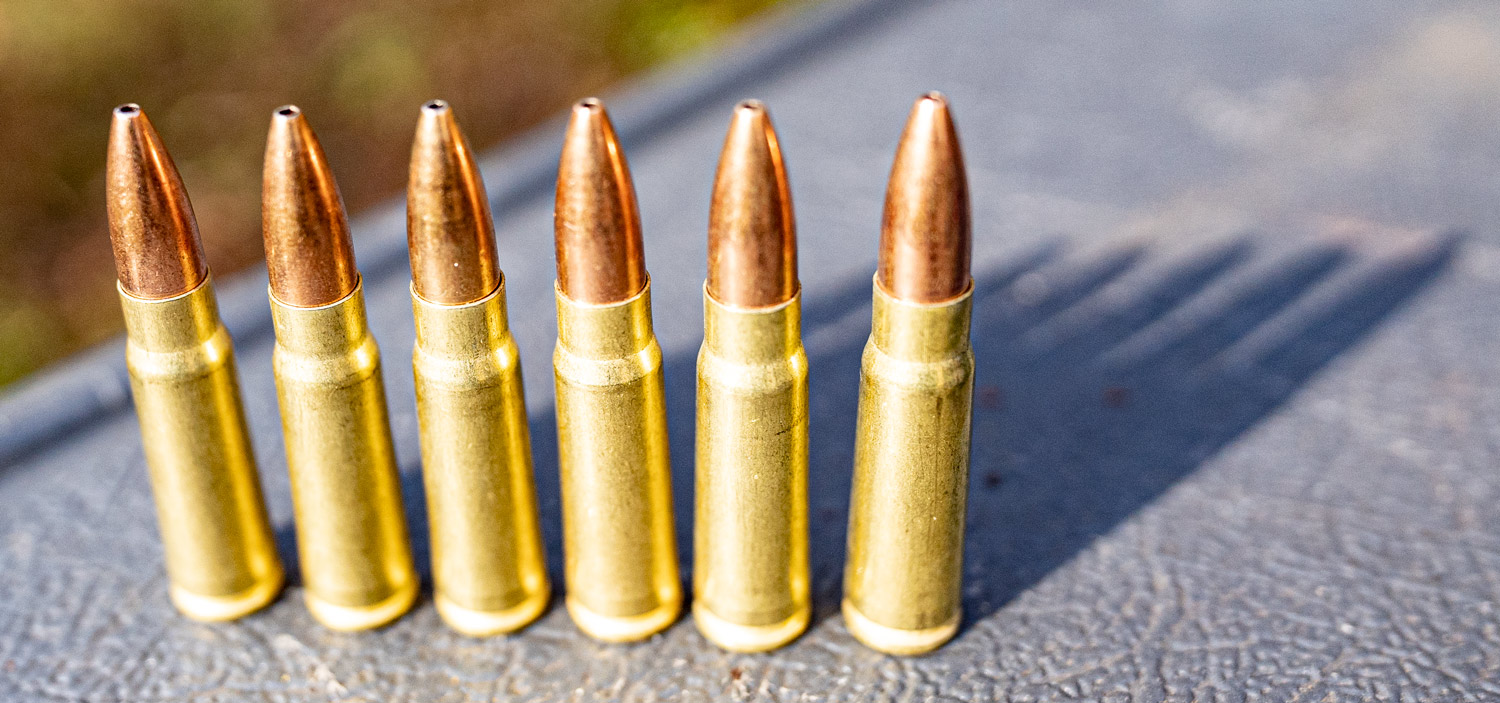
{"type": "Point", "coordinates": [751, 586]}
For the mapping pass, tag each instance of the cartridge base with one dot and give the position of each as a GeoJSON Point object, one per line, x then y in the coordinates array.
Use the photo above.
{"type": "Point", "coordinates": [365, 617]}
{"type": "Point", "coordinates": [630, 628]}
{"type": "Point", "coordinates": [486, 623]}
{"type": "Point", "coordinates": [892, 640]}
{"type": "Point", "coordinates": [220, 608]}
{"type": "Point", "coordinates": [750, 638]}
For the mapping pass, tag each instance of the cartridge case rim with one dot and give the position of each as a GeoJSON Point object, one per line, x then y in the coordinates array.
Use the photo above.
{"type": "Point", "coordinates": [488, 623]}
{"type": "Point", "coordinates": [348, 618]}
{"type": "Point", "coordinates": [773, 307]}
{"type": "Point", "coordinates": [120, 286]}
{"type": "Point", "coordinates": [477, 302]}
{"type": "Point", "coordinates": [231, 607]}
{"type": "Point", "coordinates": [750, 639]}
{"type": "Point", "coordinates": [357, 290]}
{"type": "Point", "coordinates": [894, 640]}
{"type": "Point", "coordinates": [625, 628]}
{"type": "Point", "coordinates": [623, 302]}
{"type": "Point", "coordinates": [968, 289]}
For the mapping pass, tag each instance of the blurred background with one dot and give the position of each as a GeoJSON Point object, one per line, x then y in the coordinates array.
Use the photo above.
{"type": "Point", "coordinates": [209, 73]}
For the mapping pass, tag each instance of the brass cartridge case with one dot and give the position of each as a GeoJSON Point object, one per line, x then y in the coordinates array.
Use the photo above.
{"type": "Point", "coordinates": [751, 590]}
{"type": "Point", "coordinates": [620, 552]}
{"type": "Point", "coordinates": [488, 566]}
{"type": "Point", "coordinates": [221, 558]}
{"type": "Point", "coordinates": [351, 531]}
{"type": "Point", "coordinates": [911, 467]}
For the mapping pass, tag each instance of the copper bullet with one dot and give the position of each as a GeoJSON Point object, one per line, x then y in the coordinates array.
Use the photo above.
{"type": "Point", "coordinates": [904, 570]}
{"type": "Point", "coordinates": [346, 494]}
{"type": "Point", "coordinates": [599, 253]}
{"type": "Point", "coordinates": [752, 248]}
{"type": "Point", "coordinates": [924, 238]}
{"type": "Point", "coordinates": [308, 253]}
{"type": "Point", "coordinates": [157, 251]}
{"type": "Point", "coordinates": [489, 568]}
{"type": "Point", "coordinates": [751, 586]}
{"type": "Point", "coordinates": [449, 231]}
{"type": "Point", "coordinates": [220, 554]}
{"type": "Point", "coordinates": [619, 551]}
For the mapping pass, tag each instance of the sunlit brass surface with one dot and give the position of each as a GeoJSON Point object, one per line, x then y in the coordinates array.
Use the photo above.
{"type": "Point", "coordinates": [351, 531]}
{"type": "Point", "coordinates": [220, 554]}
{"type": "Point", "coordinates": [751, 589]}
{"type": "Point", "coordinates": [619, 549]}
{"type": "Point", "coordinates": [911, 468]}
{"type": "Point", "coordinates": [488, 565]}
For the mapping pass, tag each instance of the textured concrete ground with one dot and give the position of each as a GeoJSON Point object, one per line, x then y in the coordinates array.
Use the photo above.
{"type": "Point", "coordinates": [1237, 415]}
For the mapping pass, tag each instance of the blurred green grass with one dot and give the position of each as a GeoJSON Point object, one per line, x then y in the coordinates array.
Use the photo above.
{"type": "Point", "coordinates": [209, 72]}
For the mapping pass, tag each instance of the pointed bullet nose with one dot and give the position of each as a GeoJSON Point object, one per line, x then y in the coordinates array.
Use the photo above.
{"type": "Point", "coordinates": [752, 245]}
{"type": "Point", "coordinates": [449, 232]}
{"type": "Point", "coordinates": [308, 253]}
{"type": "Point", "coordinates": [598, 228]}
{"type": "Point", "coordinates": [151, 225]}
{"type": "Point", "coordinates": [925, 237]}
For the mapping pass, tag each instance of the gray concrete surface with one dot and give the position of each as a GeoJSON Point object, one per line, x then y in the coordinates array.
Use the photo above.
{"type": "Point", "coordinates": [1236, 428]}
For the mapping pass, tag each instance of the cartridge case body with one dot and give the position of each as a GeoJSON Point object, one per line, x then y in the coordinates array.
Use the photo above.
{"type": "Point", "coordinates": [751, 590]}
{"type": "Point", "coordinates": [911, 465]}
{"type": "Point", "coordinates": [351, 531]}
{"type": "Point", "coordinates": [620, 552]}
{"type": "Point", "coordinates": [488, 566]}
{"type": "Point", "coordinates": [220, 554]}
